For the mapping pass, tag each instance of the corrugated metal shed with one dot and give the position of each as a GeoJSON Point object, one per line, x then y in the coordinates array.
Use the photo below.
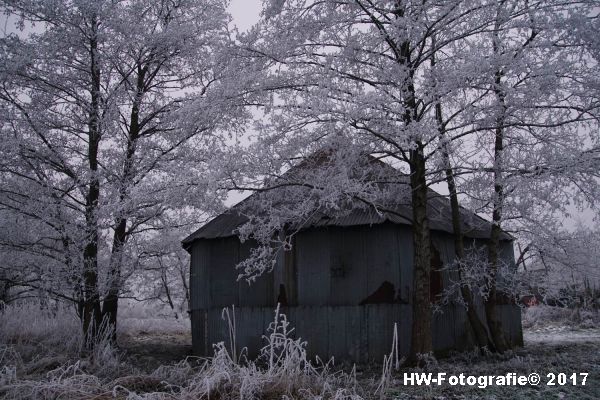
{"type": "Point", "coordinates": [348, 276]}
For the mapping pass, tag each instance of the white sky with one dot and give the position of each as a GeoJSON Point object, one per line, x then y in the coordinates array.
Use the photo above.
{"type": "Point", "coordinates": [245, 12]}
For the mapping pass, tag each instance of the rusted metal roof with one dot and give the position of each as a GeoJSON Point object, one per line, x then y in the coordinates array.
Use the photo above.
{"type": "Point", "coordinates": [400, 212]}
{"type": "Point", "coordinates": [439, 212]}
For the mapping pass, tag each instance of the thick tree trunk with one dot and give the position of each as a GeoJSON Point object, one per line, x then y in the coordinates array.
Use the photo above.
{"type": "Point", "coordinates": [422, 342]}
{"type": "Point", "coordinates": [92, 316]}
{"type": "Point", "coordinates": [421, 338]}
{"type": "Point", "coordinates": [111, 302]}
{"type": "Point", "coordinates": [491, 312]}
{"type": "Point", "coordinates": [110, 306]}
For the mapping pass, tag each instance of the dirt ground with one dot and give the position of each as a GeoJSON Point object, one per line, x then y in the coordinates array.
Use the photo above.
{"type": "Point", "coordinates": [150, 351]}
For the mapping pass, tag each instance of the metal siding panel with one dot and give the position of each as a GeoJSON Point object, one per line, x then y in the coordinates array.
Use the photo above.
{"type": "Point", "coordinates": [199, 342]}
{"type": "Point", "coordinates": [313, 267]}
{"type": "Point", "coordinates": [339, 333]}
{"type": "Point", "coordinates": [355, 333]}
{"type": "Point", "coordinates": [381, 318]}
{"type": "Point", "coordinates": [258, 293]}
{"type": "Point", "coordinates": [511, 320]}
{"type": "Point", "coordinates": [216, 331]}
{"type": "Point", "coordinates": [354, 322]}
{"type": "Point", "coordinates": [463, 339]}
{"type": "Point", "coordinates": [278, 275]}
{"type": "Point", "coordinates": [312, 327]}
{"type": "Point", "coordinates": [223, 275]}
{"type": "Point", "coordinates": [363, 335]}
{"type": "Point", "coordinates": [348, 258]}
{"type": "Point", "coordinates": [244, 332]}
{"type": "Point", "coordinates": [444, 243]}
{"type": "Point", "coordinates": [443, 329]}
{"type": "Point", "coordinates": [404, 328]}
{"type": "Point", "coordinates": [507, 253]}
{"type": "Point", "coordinates": [199, 275]}
{"type": "Point", "coordinates": [383, 257]}
{"type": "Point", "coordinates": [290, 275]}
{"type": "Point", "coordinates": [517, 324]}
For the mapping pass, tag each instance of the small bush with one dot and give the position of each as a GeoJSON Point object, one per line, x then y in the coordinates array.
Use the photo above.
{"type": "Point", "coordinates": [545, 316]}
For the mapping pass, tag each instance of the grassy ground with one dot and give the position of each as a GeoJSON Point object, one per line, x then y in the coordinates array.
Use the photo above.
{"type": "Point", "coordinates": [39, 359]}
{"type": "Point", "coordinates": [555, 342]}
{"type": "Point", "coordinates": [549, 349]}
{"type": "Point", "coordinates": [546, 350]}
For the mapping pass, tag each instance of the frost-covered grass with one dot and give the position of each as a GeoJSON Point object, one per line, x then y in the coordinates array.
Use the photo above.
{"type": "Point", "coordinates": [544, 352]}
{"type": "Point", "coordinates": [281, 370]}
{"type": "Point", "coordinates": [139, 319]}
{"type": "Point", "coordinates": [48, 342]}
{"type": "Point", "coordinates": [40, 358]}
{"type": "Point", "coordinates": [543, 316]}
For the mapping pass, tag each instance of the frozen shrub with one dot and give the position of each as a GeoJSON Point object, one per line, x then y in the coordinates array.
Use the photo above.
{"type": "Point", "coordinates": [8, 375]}
{"type": "Point", "coordinates": [9, 356]}
{"type": "Point", "coordinates": [56, 328]}
{"type": "Point", "coordinates": [69, 382]}
{"type": "Point", "coordinates": [287, 373]}
{"type": "Point", "coordinates": [177, 374]}
{"type": "Point", "coordinates": [543, 316]}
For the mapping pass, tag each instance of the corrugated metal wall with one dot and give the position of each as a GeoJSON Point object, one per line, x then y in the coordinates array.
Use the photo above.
{"type": "Point", "coordinates": [329, 272]}
{"type": "Point", "coordinates": [355, 333]}
{"type": "Point", "coordinates": [343, 266]}
{"type": "Point", "coordinates": [213, 277]}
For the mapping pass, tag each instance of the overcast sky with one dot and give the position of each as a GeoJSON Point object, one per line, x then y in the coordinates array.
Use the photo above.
{"type": "Point", "coordinates": [245, 12]}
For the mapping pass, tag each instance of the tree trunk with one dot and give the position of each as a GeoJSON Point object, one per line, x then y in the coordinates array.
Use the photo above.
{"type": "Point", "coordinates": [478, 328]}
{"type": "Point", "coordinates": [494, 321]}
{"type": "Point", "coordinates": [186, 288]}
{"type": "Point", "coordinates": [421, 339]}
{"type": "Point", "coordinates": [111, 302]}
{"type": "Point", "coordinates": [422, 342]}
{"type": "Point", "coordinates": [92, 317]}
{"type": "Point", "coordinates": [491, 312]}
{"type": "Point", "coordinates": [3, 293]}
{"type": "Point", "coordinates": [110, 306]}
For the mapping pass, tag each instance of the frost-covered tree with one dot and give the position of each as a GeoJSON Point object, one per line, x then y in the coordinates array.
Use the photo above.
{"type": "Point", "coordinates": [562, 267]}
{"type": "Point", "coordinates": [535, 121]}
{"type": "Point", "coordinates": [436, 88]}
{"type": "Point", "coordinates": [109, 112]}
{"type": "Point", "coordinates": [356, 76]}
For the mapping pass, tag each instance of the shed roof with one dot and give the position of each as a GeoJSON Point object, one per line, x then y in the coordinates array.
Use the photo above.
{"type": "Point", "coordinates": [397, 211]}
